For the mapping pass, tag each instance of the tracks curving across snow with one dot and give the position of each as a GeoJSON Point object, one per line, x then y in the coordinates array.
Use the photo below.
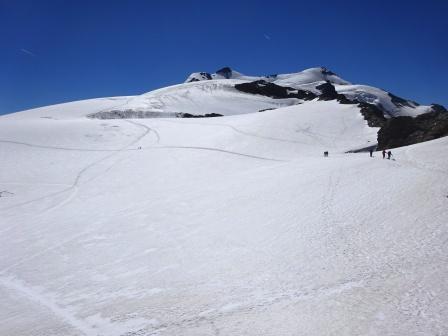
{"type": "Point", "coordinates": [36, 297]}
{"type": "Point", "coordinates": [57, 147]}
{"type": "Point", "coordinates": [331, 223]}
{"type": "Point", "coordinates": [237, 130]}
{"type": "Point", "coordinates": [16, 285]}
{"type": "Point", "coordinates": [77, 180]}
{"type": "Point", "coordinates": [217, 150]}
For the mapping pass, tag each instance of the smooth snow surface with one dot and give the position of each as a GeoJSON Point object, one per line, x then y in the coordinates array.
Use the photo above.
{"type": "Point", "coordinates": [220, 226]}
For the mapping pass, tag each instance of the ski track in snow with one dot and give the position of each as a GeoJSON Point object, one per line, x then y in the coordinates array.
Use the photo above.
{"type": "Point", "coordinates": [218, 150]}
{"type": "Point", "coordinates": [74, 186]}
{"type": "Point", "coordinates": [58, 147]}
{"type": "Point", "coordinates": [237, 130]}
{"type": "Point", "coordinates": [329, 217]}
{"type": "Point", "coordinates": [340, 236]}
{"type": "Point", "coordinates": [36, 297]}
{"type": "Point", "coordinates": [292, 296]}
{"type": "Point", "coordinates": [18, 286]}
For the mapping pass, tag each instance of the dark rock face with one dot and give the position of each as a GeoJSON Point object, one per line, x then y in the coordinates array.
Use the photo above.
{"type": "Point", "coordinates": [226, 72]}
{"type": "Point", "coordinates": [327, 72]}
{"type": "Point", "coordinates": [206, 75]}
{"type": "Point", "coordinates": [137, 114]}
{"type": "Point", "coordinates": [267, 109]}
{"type": "Point", "coordinates": [203, 75]}
{"type": "Point", "coordinates": [272, 90]}
{"type": "Point", "coordinates": [373, 115]}
{"type": "Point", "coordinates": [404, 131]}
{"type": "Point", "coordinates": [400, 102]}
{"type": "Point", "coordinates": [438, 108]}
{"type": "Point", "coordinates": [188, 115]}
{"type": "Point", "coordinates": [329, 93]}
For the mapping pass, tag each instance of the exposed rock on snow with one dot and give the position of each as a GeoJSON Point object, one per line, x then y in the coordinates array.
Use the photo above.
{"type": "Point", "coordinates": [438, 108]}
{"type": "Point", "coordinates": [404, 131]}
{"type": "Point", "coordinates": [198, 76]}
{"type": "Point", "coordinates": [329, 93]}
{"type": "Point", "coordinates": [272, 90]}
{"type": "Point", "coordinates": [400, 102]}
{"type": "Point", "coordinates": [225, 72]}
{"type": "Point", "coordinates": [208, 115]}
{"type": "Point", "coordinates": [132, 114]}
{"type": "Point", "coordinates": [373, 115]}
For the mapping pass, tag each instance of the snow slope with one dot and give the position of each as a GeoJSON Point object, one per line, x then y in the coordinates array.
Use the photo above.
{"type": "Point", "coordinates": [218, 226]}
{"type": "Point", "coordinates": [218, 95]}
{"type": "Point", "coordinates": [200, 98]}
{"type": "Point", "coordinates": [310, 78]}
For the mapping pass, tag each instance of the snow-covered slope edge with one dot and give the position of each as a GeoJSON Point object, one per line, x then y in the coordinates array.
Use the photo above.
{"type": "Point", "coordinates": [232, 226]}
{"type": "Point", "coordinates": [228, 92]}
{"type": "Point", "coordinates": [309, 79]}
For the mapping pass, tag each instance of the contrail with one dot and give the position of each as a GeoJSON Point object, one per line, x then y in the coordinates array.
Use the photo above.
{"type": "Point", "coordinates": [27, 52]}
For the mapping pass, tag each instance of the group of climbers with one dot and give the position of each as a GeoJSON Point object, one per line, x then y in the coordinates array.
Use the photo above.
{"type": "Point", "coordinates": [389, 153]}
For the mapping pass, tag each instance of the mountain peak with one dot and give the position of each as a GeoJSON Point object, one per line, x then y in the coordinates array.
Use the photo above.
{"type": "Point", "coordinates": [225, 72]}
{"type": "Point", "coordinates": [326, 71]}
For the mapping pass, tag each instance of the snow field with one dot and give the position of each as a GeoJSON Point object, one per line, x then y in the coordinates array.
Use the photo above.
{"type": "Point", "coordinates": [222, 226]}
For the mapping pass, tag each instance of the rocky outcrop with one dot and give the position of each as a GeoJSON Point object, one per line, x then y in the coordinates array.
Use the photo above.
{"type": "Point", "coordinates": [199, 76]}
{"type": "Point", "coordinates": [329, 93]}
{"type": "Point", "coordinates": [225, 72]}
{"type": "Point", "coordinates": [130, 114]}
{"type": "Point", "coordinates": [327, 72]}
{"type": "Point", "coordinates": [404, 131]}
{"type": "Point", "coordinates": [438, 108]}
{"type": "Point", "coordinates": [207, 115]}
{"type": "Point", "coordinates": [137, 114]}
{"type": "Point", "coordinates": [400, 102]}
{"type": "Point", "coordinates": [272, 90]}
{"type": "Point", "coordinates": [372, 114]}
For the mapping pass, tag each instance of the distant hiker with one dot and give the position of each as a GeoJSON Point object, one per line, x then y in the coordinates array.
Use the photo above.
{"type": "Point", "coordinates": [325, 154]}
{"type": "Point", "coordinates": [371, 152]}
{"type": "Point", "coordinates": [384, 153]}
{"type": "Point", "coordinates": [389, 154]}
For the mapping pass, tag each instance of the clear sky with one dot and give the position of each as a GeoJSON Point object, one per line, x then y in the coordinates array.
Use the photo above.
{"type": "Point", "coordinates": [58, 51]}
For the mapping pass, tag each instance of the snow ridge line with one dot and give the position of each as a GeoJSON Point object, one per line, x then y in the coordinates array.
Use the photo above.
{"type": "Point", "coordinates": [35, 296]}
{"type": "Point", "coordinates": [218, 150]}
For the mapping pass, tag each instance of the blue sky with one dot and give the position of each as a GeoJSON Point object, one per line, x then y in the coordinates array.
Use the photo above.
{"type": "Point", "coordinates": [57, 51]}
